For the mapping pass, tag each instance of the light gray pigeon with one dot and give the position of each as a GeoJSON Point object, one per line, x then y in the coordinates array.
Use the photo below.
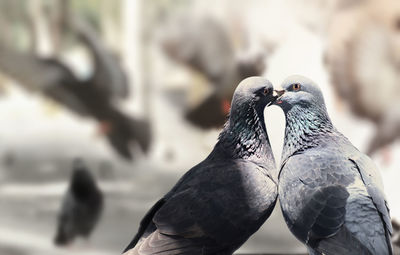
{"type": "Point", "coordinates": [218, 204]}
{"type": "Point", "coordinates": [331, 194]}
{"type": "Point", "coordinates": [362, 58]}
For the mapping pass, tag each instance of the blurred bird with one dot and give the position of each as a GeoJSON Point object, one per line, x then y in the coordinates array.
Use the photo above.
{"type": "Point", "coordinates": [93, 97]}
{"type": "Point", "coordinates": [330, 193]}
{"type": "Point", "coordinates": [363, 58]}
{"type": "Point", "coordinates": [218, 204]}
{"type": "Point", "coordinates": [396, 235]}
{"type": "Point", "coordinates": [204, 45]}
{"type": "Point", "coordinates": [81, 206]}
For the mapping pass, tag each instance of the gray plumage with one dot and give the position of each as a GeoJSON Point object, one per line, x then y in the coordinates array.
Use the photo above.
{"type": "Point", "coordinates": [81, 207]}
{"type": "Point", "coordinates": [218, 204]}
{"type": "Point", "coordinates": [330, 193]}
{"type": "Point", "coordinates": [205, 45]}
{"type": "Point", "coordinates": [362, 57]}
{"type": "Point", "coordinates": [94, 97]}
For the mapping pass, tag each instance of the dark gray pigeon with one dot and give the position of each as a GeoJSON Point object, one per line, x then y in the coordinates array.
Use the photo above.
{"type": "Point", "coordinates": [205, 45]}
{"type": "Point", "coordinates": [331, 194]}
{"type": "Point", "coordinates": [218, 204]}
{"type": "Point", "coordinates": [94, 97]}
{"type": "Point", "coordinates": [81, 207]}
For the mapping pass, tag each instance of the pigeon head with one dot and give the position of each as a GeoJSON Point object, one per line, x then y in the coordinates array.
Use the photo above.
{"type": "Point", "coordinates": [245, 134]}
{"type": "Point", "coordinates": [299, 91]}
{"type": "Point", "coordinates": [255, 92]}
{"type": "Point", "coordinates": [307, 122]}
{"type": "Point", "coordinates": [82, 182]}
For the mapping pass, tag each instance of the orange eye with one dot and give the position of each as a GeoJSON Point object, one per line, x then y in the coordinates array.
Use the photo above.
{"type": "Point", "coordinates": [266, 91]}
{"type": "Point", "coordinates": [296, 86]}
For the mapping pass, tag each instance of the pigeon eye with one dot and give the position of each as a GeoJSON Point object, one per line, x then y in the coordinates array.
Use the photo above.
{"type": "Point", "coordinates": [296, 86]}
{"type": "Point", "coordinates": [266, 91]}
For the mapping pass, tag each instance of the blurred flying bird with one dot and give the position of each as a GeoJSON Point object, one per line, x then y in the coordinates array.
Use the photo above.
{"type": "Point", "coordinates": [363, 56]}
{"type": "Point", "coordinates": [330, 193]}
{"type": "Point", "coordinates": [81, 206]}
{"type": "Point", "coordinates": [205, 45]}
{"type": "Point", "coordinates": [93, 97]}
{"type": "Point", "coordinates": [219, 203]}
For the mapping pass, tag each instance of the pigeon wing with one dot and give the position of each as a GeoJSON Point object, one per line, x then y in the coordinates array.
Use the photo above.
{"type": "Point", "coordinates": [373, 182]}
{"type": "Point", "coordinates": [330, 214]}
{"type": "Point", "coordinates": [207, 211]}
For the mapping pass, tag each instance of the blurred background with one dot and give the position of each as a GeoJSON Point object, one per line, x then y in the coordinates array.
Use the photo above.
{"type": "Point", "coordinates": [139, 90]}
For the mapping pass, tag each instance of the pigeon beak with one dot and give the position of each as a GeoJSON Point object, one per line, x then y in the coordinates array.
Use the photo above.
{"type": "Point", "coordinates": [278, 94]}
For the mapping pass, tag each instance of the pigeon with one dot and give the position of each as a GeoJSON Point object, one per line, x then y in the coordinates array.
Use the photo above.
{"type": "Point", "coordinates": [363, 51]}
{"type": "Point", "coordinates": [94, 97]}
{"type": "Point", "coordinates": [219, 203]}
{"type": "Point", "coordinates": [396, 235]}
{"type": "Point", "coordinates": [331, 194]}
{"type": "Point", "coordinates": [81, 207]}
{"type": "Point", "coordinates": [204, 45]}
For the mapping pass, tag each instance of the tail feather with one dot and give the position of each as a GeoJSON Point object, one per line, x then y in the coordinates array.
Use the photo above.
{"type": "Point", "coordinates": [125, 130]}
{"type": "Point", "coordinates": [208, 114]}
{"type": "Point", "coordinates": [337, 245]}
{"type": "Point", "coordinates": [142, 132]}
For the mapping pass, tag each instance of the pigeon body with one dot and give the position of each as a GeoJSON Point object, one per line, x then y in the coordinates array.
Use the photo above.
{"type": "Point", "coordinates": [331, 194]}
{"type": "Point", "coordinates": [363, 53]}
{"type": "Point", "coordinates": [205, 45]}
{"type": "Point", "coordinates": [81, 207]}
{"type": "Point", "coordinates": [219, 203]}
{"type": "Point", "coordinates": [94, 97]}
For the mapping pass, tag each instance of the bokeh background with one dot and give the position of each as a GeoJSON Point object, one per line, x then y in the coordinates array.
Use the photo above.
{"type": "Point", "coordinates": [140, 89]}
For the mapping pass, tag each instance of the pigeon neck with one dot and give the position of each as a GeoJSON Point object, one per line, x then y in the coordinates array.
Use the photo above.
{"type": "Point", "coordinates": [306, 128]}
{"type": "Point", "coordinates": [245, 136]}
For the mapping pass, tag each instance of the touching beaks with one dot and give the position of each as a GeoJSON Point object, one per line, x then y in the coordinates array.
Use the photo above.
{"type": "Point", "coordinates": [278, 93]}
